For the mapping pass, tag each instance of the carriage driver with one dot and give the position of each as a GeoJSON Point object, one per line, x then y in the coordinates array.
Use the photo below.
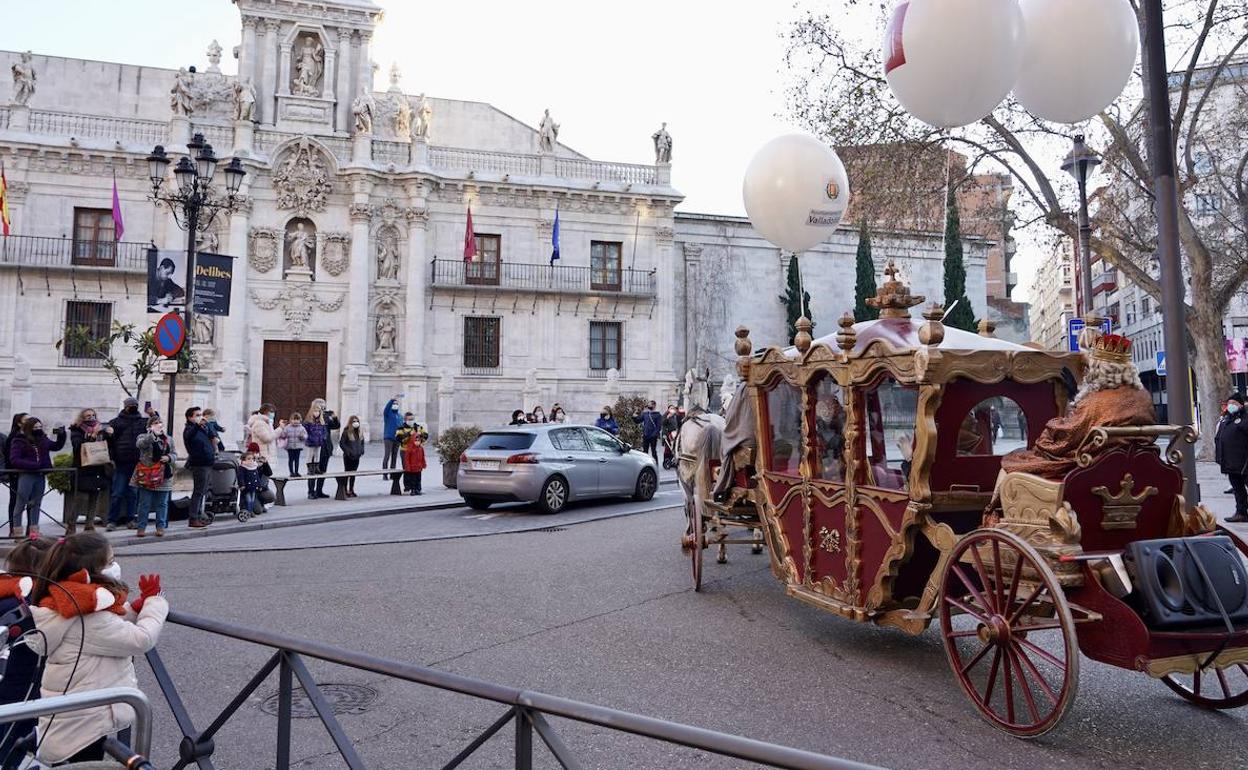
{"type": "Point", "coordinates": [1111, 395]}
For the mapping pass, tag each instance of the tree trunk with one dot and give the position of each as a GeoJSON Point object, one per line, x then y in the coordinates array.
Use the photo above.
{"type": "Point", "coordinates": [1213, 379]}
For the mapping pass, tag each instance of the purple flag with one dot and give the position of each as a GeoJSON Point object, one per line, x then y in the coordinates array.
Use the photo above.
{"type": "Point", "coordinates": [119, 227]}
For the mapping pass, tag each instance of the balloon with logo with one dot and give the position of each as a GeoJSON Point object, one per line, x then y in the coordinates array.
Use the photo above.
{"type": "Point", "coordinates": [796, 191]}
{"type": "Point", "coordinates": [1078, 56]}
{"type": "Point", "coordinates": [951, 62]}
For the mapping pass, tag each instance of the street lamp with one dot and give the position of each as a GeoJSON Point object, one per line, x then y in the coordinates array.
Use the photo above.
{"type": "Point", "coordinates": [195, 205]}
{"type": "Point", "coordinates": [1079, 163]}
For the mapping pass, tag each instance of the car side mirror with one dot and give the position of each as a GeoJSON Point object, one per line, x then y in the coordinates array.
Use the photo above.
{"type": "Point", "coordinates": [625, 448]}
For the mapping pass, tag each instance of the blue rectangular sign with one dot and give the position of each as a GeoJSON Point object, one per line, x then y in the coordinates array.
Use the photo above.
{"type": "Point", "coordinates": [1075, 325]}
{"type": "Point", "coordinates": [1161, 363]}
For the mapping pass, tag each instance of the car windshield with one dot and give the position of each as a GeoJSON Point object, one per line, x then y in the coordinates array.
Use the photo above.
{"type": "Point", "coordinates": [507, 441]}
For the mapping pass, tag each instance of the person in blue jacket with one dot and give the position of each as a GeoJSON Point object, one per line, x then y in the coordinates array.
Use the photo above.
{"type": "Point", "coordinates": [607, 422]}
{"type": "Point", "coordinates": [651, 423]}
{"type": "Point", "coordinates": [392, 418]}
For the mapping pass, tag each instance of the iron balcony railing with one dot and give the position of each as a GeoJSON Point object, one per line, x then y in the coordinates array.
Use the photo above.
{"type": "Point", "coordinates": [542, 279]}
{"type": "Point", "coordinates": [526, 710]}
{"type": "Point", "coordinates": [40, 251]}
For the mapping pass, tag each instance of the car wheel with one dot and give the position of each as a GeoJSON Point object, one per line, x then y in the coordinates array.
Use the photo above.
{"type": "Point", "coordinates": [554, 495]}
{"type": "Point", "coordinates": [647, 483]}
{"type": "Point", "coordinates": [476, 503]}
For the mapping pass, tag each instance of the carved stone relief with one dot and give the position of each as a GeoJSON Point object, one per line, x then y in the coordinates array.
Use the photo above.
{"type": "Point", "coordinates": [262, 247]}
{"type": "Point", "coordinates": [335, 252]}
{"type": "Point", "coordinates": [302, 179]}
{"type": "Point", "coordinates": [297, 301]}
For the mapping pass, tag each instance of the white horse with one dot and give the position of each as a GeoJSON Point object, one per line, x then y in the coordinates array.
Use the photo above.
{"type": "Point", "coordinates": [697, 444]}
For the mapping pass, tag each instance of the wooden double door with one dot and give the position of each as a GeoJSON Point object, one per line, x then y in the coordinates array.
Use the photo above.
{"type": "Point", "coordinates": [294, 374]}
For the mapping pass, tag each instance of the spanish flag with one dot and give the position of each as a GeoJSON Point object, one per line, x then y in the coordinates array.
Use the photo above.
{"type": "Point", "coordinates": [4, 202]}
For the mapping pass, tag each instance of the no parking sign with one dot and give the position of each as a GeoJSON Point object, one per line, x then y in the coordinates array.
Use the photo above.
{"type": "Point", "coordinates": [169, 335]}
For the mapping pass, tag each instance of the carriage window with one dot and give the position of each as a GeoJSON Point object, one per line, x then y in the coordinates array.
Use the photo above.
{"type": "Point", "coordinates": [829, 430]}
{"type": "Point", "coordinates": [784, 412]}
{"type": "Point", "coordinates": [891, 411]}
{"type": "Point", "coordinates": [995, 426]}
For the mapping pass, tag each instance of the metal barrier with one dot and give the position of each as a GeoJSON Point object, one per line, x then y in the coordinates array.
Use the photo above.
{"type": "Point", "coordinates": [526, 709]}
{"type": "Point", "coordinates": [141, 730]}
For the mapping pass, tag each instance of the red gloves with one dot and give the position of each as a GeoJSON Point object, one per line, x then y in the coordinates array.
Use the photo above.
{"type": "Point", "coordinates": [149, 585]}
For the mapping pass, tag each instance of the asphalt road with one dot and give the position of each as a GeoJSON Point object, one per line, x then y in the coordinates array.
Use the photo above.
{"type": "Point", "coordinates": [603, 611]}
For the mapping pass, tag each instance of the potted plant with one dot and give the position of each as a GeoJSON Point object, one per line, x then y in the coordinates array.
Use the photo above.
{"type": "Point", "coordinates": [451, 445]}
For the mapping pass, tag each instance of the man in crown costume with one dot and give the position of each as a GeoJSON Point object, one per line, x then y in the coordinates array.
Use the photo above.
{"type": "Point", "coordinates": [1110, 395]}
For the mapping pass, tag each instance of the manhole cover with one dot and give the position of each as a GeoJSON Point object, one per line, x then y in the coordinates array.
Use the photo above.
{"type": "Point", "coordinates": [552, 529]}
{"type": "Point", "coordinates": [343, 699]}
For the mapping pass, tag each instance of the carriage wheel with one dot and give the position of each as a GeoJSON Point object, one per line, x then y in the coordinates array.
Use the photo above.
{"type": "Point", "coordinates": [1222, 688]}
{"type": "Point", "coordinates": [1008, 632]}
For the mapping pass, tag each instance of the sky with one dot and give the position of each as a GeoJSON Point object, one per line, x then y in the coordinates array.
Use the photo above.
{"type": "Point", "coordinates": [609, 72]}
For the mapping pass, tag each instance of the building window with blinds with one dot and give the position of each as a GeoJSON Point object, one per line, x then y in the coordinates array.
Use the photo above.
{"type": "Point", "coordinates": [93, 238]}
{"type": "Point", "coordinates": [605, 339]}
{"type": "Point", "coordinates": [87, 326]}
{"type": "Point", "coordinates": [482, 346]}
{"type": "Point", "coordinates": [482, 270]}
{"type": "Point", "coordinates": [604, 265]}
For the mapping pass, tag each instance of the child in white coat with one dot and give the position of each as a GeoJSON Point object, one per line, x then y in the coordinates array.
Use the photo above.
{"type": "Point", "coordinates": [91, 633]}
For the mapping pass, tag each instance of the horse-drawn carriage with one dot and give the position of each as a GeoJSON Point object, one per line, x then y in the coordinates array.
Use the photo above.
{"type": "Point", "coordinates": [872, 466]}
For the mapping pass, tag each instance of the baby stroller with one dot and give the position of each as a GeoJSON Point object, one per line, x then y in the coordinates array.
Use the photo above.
{"type": "Point", "coordinates": [669, 448]}
{"type": "Point", "coordinates": [223, 487]}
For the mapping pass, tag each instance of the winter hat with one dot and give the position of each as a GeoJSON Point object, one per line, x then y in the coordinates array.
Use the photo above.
{"type": "Point", "coordinates": [131, 402]}
{"type": "Point", "coordinates": [253, 447]}
{"type": "Point", "coordinates": [1237, 398]}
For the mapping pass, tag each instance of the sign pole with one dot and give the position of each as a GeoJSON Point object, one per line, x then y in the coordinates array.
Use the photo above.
{"type": "Point", "coordinates": [192, 227]}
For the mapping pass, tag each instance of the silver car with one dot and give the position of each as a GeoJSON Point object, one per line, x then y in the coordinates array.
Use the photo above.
{"type": "Point", "coordinates": [552, 465]}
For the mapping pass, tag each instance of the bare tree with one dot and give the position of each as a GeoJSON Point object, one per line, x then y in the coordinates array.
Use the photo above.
{"type": "Point", "coordinates": [837, 89]}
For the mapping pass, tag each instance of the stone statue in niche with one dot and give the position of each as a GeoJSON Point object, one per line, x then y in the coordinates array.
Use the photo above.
{"type": "Point", "coordinates": [204, 330]}
{"type": "Point", "coordinates": [23, 80]}
{"type": "Point", "coordinates": [181, 100]}
{"type": "Point", "coordinates": [244, 100]}
{"type": "Point", "coordinates": [387, 257]}
{"type": "Point", "coordinates": [214, 56]}
{"type": "Point", "coordinates": [362, 108]}
{"type": "Point", "coordinates": [547, 133]}
{"type": "Point", "coordinates": [207, 242]}
{"type": "Point", "coordinates": [424, 117]}
{"type": "Point", "coordinates": [662, 145]}
{"type": "Point", "coordinates": [387, 333]}
{"type": "Point", "coordinates": [300, 246]}
{"type": "Point", "coordinates": [309, 66]}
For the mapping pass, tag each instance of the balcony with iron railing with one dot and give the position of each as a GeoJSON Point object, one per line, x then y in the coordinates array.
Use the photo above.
{"type": "Point", "coordinates": [69, 253]}
{"type": "Point", "coordinates": [455, 274]}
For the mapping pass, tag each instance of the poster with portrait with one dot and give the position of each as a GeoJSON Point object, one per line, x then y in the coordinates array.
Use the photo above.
{"type": "Point", "coordinates": [166, 279]}
{"type": "Point", "coordinates": [1237, 354]}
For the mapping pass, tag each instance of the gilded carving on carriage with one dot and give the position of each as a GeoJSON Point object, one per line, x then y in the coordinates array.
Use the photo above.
{"type": "Point", "coordinates": [1123, 508]}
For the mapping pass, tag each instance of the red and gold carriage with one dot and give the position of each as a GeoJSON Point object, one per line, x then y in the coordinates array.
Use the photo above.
{"type": "Point", "coordinates": [872, 470]}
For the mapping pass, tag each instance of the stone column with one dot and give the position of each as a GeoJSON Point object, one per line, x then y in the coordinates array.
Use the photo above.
{"type": "Point", "coordinates": [266, 72]}
{"type": "Point", "coordinates": [331, 55]}
{"type": "Point", "coordinates": [446, 400]}
{"type": "Point", "coordinates": [417, 278]}
{"type": "Point", "coordinates": [364, 65]}
{"type": "Point", "coordinates": [234, 339]}
{"type": "Point", "coordinates": [283, 69]}
{"type": "Point", "coordinates": [357, 296]}
{"type": "Point", "coordinates": [342, 119]}
{"type": "Point", "coordinates": [662, 353]}
{"type": "Point", "coordinates": [247, 51]}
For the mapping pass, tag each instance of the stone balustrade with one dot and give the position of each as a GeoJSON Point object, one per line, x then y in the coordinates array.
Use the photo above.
{"type": "Point", "coordinates": [461, 159]}
{"type": "Point", "coordinates": [391, 152]}
{"type": "Point", "coordinates": [220, 137]}
{"type": "Point", "coordinates": [628, 173]}
{"type": "Point", "coordinates": [69, 124]}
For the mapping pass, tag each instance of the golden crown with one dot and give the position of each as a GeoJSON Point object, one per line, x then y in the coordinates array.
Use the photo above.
{"type": "Point", "coordinates": [1112, 347]}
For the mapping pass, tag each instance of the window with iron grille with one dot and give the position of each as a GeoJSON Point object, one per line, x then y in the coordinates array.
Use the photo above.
{"type": "Point", "coordinates": [93, 238]}
{"type": "Point", "coordinates": [605, 339]}
{"type": "Point", "coordinates": [604, 265]}
{"type": "Point", "coordinates": [483, 268]}
{"type": "Point", "coordinates": [482, 342]}
{"type": "Point", "coordinates": [86, 323]}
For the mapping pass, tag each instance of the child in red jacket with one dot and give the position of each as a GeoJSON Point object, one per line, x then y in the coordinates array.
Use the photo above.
{"type": "Point", "coordinates": [413, 463]}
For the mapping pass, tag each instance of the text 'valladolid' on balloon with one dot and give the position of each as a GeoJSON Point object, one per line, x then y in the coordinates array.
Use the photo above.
{"type": "Point", "coordinates": [951, 62]}
{"type": "Point", "coordinates": [796, 191]}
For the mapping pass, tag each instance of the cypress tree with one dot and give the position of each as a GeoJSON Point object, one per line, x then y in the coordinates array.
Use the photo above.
{"type": "Point", "coordinates": [962, 316]}
{"type": "Point", "coordinates": [864, 285]}
{"type": "Point", "coordinates": [794, 299]}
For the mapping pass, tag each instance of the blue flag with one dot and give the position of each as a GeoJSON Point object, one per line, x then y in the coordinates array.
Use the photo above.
{"type": "Point", "coordinates": [554, 240]}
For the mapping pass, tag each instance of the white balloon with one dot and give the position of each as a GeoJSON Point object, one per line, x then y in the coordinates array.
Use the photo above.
{"type": "Point", "coordinates": [951, 62]}
{"type": "Point", "coordinates": [796, 191]}
{"type": "Point", "coordinates": [1078, 57]}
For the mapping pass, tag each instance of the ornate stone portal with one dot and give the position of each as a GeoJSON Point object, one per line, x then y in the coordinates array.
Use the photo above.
{"type": "Point", "coordinates": [297, 301]}
{"type": "Point", "coordinates": [302, 179]}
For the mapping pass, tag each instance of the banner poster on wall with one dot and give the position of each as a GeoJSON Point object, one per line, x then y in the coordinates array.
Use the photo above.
{"type": "Point", "coordinates": [166, 276]}
{"type": "Point", "coordinates": [214, 276]}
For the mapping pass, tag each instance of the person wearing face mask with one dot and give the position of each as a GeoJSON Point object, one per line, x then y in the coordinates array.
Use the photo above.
{"type": "Point", "coordinates": [1231, 452]}
{"type": "Point", "coordinates": [153, 478]}
{"type": "Point", "coordinates": [201, 453]}
{"type": "Point", "coordinates": [91, 483]}
{"type": "Point", "coordinates": [517, 418]}
{"type": "Point", "coordinates": [352, 444]}
{"type": "Point", "coordinates": [126, 428]}
{"type": "Point", "coordinates": [91, 626]}
{"type": "Point", "coordinates": [30, 453]}
{"type": "Point", "coordinates": [606, 421]}
{"type": "Point", "coordinates": [261, 430]}
{"type": "Point", "coordinates": [6, 442]}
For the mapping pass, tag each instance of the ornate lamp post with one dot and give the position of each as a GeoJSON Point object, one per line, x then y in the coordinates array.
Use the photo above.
{"type": "Point", "coordinates": [195, 205]}
{"type": "Point", "coordinates": [1079, 163]}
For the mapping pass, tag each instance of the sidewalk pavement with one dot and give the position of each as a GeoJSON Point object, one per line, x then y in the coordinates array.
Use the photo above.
{"type": "Point", "coordinates": [374, 500]}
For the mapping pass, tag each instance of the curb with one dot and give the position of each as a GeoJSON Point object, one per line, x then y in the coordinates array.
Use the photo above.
{"type": "Point", "coordinates": [254, 525]}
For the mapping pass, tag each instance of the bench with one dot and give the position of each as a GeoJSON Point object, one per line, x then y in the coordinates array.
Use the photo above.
{"type": "Point", "coordinates": [280, 482]}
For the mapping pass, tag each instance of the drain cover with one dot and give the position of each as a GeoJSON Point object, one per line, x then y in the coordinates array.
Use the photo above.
{"type": "Point", "coordinates": [343, 699]}
{"type": "Point", "coordinates": [551, 529]}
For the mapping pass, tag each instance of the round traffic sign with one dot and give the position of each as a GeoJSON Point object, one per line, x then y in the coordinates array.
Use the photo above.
{"type": "Point", "coordinates": [169, 334]}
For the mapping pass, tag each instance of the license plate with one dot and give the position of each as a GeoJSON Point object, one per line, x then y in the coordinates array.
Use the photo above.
{"type": "Point", "coordinates": [485, 465]}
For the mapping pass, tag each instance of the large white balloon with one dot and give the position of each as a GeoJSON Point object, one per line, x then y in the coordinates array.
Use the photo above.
{"type": "Point", "coordinates": [951, 62]}
{"type": "Point", "coordinates": [796, 191]}
{"type": "Point", "coordinates": [1078, 56]}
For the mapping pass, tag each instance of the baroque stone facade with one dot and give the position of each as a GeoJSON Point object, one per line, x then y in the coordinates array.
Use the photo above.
{"type": "Point", "coordinates": [348, 244]}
